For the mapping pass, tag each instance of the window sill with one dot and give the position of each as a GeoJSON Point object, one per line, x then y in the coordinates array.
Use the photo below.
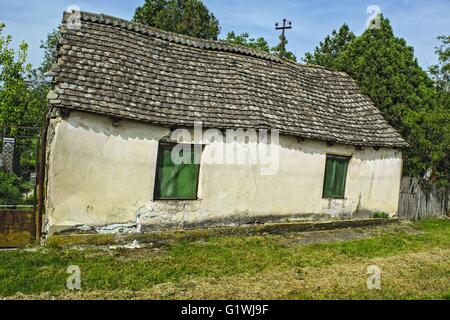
{"type": "Point", "coordinates": [175, 199]}
{"type": "Point", "coordinates": [334, 198]}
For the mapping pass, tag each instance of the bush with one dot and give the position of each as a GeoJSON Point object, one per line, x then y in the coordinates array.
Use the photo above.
{"type": "Point", "coordinates": [12, 189]}
{"type": "Point", "coordinates": [380, 215]}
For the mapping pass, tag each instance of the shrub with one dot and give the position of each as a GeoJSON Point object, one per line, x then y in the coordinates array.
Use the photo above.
{"type": "Point", "coordinates": [380, 215]}
{"type": "Point", "coordinates": [11, 189]}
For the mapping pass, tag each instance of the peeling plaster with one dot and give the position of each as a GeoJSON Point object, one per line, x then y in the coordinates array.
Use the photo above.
{"type": "Point", "coordinates": [340, 207]}
{"type": "Point", "coordinates": [118, 228]}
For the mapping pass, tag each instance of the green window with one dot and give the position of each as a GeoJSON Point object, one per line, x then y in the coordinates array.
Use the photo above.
{"type": "Point", "coordinates": [335, 176]}
{"type": "Point", "coordinates": [177, 180]}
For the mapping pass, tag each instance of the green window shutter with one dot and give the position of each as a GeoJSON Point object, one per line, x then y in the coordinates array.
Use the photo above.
{"type": "Point", "coordinates": [175, 181]}
{"type": "Point", "coordinates": [335, 176]}
{"type": "Point", "coordinates": [187, 178]}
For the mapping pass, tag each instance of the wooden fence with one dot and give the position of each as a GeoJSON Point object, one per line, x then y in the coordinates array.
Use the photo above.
{"type": "Point", "coordinates": [417, 202]}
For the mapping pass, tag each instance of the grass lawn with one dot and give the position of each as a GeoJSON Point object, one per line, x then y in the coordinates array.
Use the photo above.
{"type": "Point", "coordinates": [414, 260]}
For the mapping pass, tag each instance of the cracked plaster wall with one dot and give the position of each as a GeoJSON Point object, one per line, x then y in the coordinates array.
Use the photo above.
{"type": "Point", "coordinates": [100, 178]}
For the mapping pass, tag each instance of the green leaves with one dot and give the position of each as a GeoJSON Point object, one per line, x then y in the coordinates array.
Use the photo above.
{"type": "Point", "coordinates": [258, 44]}
{"type": "Point", "coordinates": [329, 50]}
{"type": "Point", "coordinates": [386, 70]}
{"type": "Point", "coordinates": [245, 40]}
{"type": "Point", "coordinates": [440, 72]}
{"type": "Point", "coordinates": [11, 189]}
{"type": "Point", "coordinates": [189, 17]}
{"type": "Point", "coordinates": [21, 104]}
{"type": "Point", "coordinates": [50, 46]}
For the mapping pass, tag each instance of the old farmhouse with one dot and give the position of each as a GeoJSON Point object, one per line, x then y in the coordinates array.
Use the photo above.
{"type": "Point", "coordinates": [262, 138]}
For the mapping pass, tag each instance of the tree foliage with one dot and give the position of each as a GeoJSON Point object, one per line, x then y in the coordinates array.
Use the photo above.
{"type": "Point", "coordinates": [12, 189]}
{"type": "Point", "coordinates": [189, 17]}
{"type": "Point", "coordinates": [245, 40]}
{"type": "Point", "coordinates": [280, 49]}
{"type": "Point", "coordinates": [440, 72]}
{"type": "Point", "coordinates": [50, 47]}
{"type": "Point", "coordinates": [21, 101]}
{"type": "Point", "coordinates": [386, 70]}
{"type": "Point", "coordinates": [260, 43]}
{"type": "Point", "coordinates": [330, 48]}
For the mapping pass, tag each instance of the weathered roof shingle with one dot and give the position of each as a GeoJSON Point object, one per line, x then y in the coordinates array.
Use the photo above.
{"type": "Point", "coordinates": [127, 70]}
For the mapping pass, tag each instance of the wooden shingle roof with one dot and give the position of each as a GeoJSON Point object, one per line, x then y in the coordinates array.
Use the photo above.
{"type": "Point", "coordinates": [127, 70]}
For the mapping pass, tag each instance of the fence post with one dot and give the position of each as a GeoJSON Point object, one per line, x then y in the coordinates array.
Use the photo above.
{"type": "Point", "coordinates": [41, 179]}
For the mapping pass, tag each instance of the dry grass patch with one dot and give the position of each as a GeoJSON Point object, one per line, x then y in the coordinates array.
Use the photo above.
{"type": "Point", "coordinates": [421, 275]}
{"type": "Point", "coordinates": [414, 259]}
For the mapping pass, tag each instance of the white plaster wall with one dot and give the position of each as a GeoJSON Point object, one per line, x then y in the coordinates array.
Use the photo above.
{"type": "Point", "coordinates": [100, 175]}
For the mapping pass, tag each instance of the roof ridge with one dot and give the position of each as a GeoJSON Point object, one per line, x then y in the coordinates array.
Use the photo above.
{"type": "Point", "coordinates": [102, 69]}
{"type": "Point", "coordinates": [315, 66]}
{"type": "Point", "coordinates": [171, 36]}
{"type": "Point", "coordinates": [189, 40]}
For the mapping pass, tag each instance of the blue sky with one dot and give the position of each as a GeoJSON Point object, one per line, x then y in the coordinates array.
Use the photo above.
{"type": "Point", "coordinates": [418, 21]}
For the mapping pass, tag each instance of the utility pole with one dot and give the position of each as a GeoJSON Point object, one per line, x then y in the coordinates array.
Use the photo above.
{"type": "Point", "coordinates": [283, 37]}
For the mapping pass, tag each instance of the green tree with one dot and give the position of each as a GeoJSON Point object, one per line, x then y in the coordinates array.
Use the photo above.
{"type": "Point", "coordinates": [189, 17]}
{"type": "Point", "coordinates": [260, 43]}
{"type": "Point", "coordinates": [245, 40]}
{"type": "Point", "coordinates": [330, 48]}
{"type": "Point", "coordinates": [50, 47]}
{"type": "Point", "coordinates": [21, 102]}
{"type": "Point", "coordinates": [280, 50]}
{"type": "Point", "coordinates": [440, 72]}
{"type": "Point", "coordinates": [386, 70]}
